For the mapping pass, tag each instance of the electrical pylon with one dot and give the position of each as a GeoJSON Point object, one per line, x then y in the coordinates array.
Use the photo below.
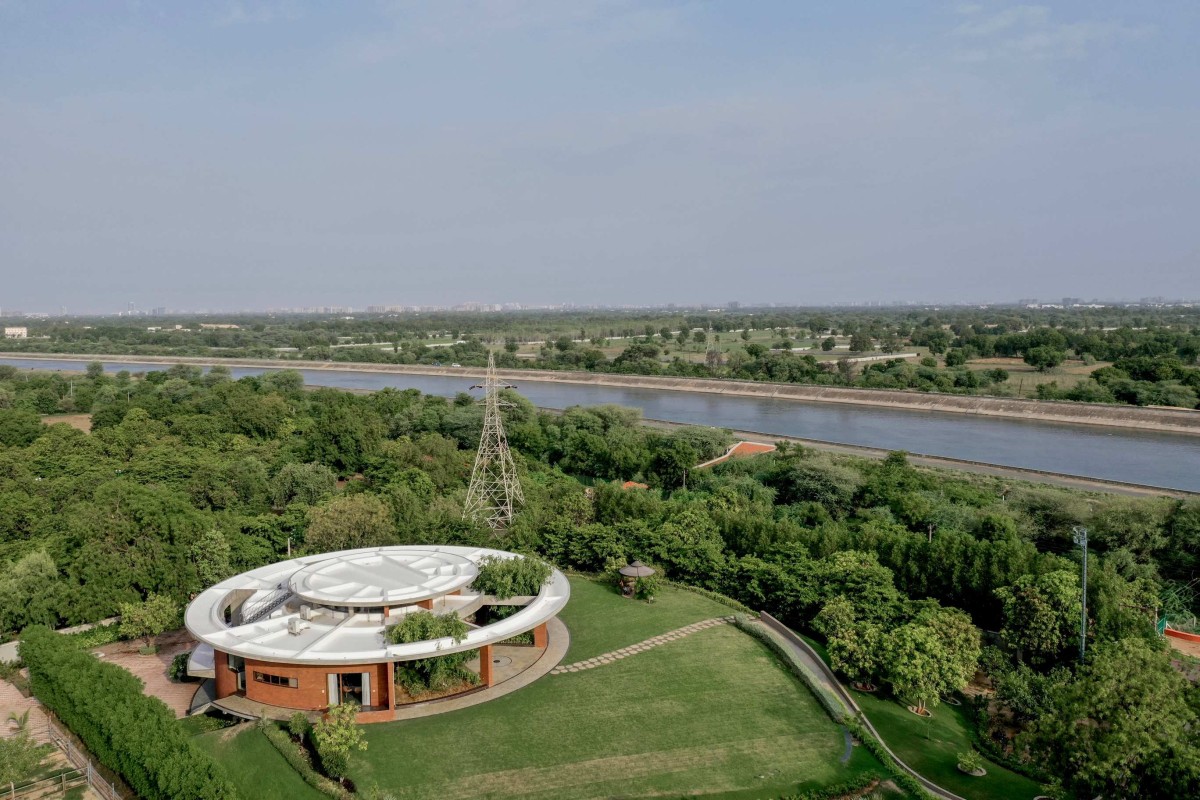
{"type": "Point", "coordinates": [495, 489]}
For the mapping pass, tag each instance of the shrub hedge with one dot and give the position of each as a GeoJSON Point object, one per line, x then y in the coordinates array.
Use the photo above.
{"type": "Point", "coordinates": [299, 758]}
{"type": "Point", "coordinates": [132, 734]}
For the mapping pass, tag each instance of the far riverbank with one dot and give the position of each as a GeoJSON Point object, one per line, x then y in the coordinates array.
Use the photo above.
{"type": "Point", "coordinates": [1167, 420]}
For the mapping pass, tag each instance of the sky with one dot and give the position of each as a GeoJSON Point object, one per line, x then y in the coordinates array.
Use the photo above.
{"type": "Point", "coordinates": [232, 155]}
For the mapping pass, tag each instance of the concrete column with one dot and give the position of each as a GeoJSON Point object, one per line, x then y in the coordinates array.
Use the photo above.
{"type": "Point", "coordinates": [485, 665]}
{"type": "Point", "coordinates": [540, 637]}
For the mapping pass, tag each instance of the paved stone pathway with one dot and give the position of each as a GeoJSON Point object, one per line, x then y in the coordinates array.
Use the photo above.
{"type": "Point", "coordinates": [640, 647]}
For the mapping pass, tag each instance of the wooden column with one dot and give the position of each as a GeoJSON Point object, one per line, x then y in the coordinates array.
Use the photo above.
{"type": "Point", "coordinates": [485, 665]}
{"type": "Point", "coordinates": [540, 637]}
{"type": "Point", "coordinates": [427, 604]}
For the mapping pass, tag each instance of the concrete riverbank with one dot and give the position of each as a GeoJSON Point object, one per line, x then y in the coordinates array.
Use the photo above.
{"type": "Point", "coordinates": [1169, 420]}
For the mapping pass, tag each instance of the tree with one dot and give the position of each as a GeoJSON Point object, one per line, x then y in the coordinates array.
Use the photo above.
{"type": "Point", "coordinates": [1044, 358]}
{"type": "Point", "coordinates": [860, 342]}
{"type": "Point", "coordinates": [336, 736]}
{"type": "Point", "coordinates": [210, 554]}
{"type": "Point", "coordinates": [511, 577]}
{"type": "Point", "coordinates": [1124, 728]}
{"type": "Point", "coordinates": [858, 652]}
{"type": "Point", "coordinates": [1041, 615]}
{"type": "Point", "coordinates": [147, 619]}
{"type": "Point", "coordinates": [359, 520]}
{"type": "Point", "coordinates": [915, 665]}
{"type": "Point", "coordinates": [828, 343]}
{"type": "Point", "coordinates": [20, 757]}
{"type": "Point", "coordinates": [956, 357]}
{"type": "Point", "coordinates": [307, 483]}
{"type": "Point", "coordinates": [835, 618]}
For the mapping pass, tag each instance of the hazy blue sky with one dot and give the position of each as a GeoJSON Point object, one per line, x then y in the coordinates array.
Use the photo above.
{"type": "Point", "coordinates": [254, 154]}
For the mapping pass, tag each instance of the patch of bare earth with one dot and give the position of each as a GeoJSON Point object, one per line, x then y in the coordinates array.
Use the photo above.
{"type": "Point", "coordinates": [154, 670]}
{"type": "Point", "coordinates": [81, 422]}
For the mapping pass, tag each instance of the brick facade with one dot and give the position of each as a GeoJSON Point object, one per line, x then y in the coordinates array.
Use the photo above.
{"type": "Point", "coordinates": [311, 690]}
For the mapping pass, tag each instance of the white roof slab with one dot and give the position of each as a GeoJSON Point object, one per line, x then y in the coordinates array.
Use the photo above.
{"type": "Point", "coordinates": [366, 580]}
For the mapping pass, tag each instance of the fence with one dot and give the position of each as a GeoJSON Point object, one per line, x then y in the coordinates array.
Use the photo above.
{"type": "Point", "coordinates": [81, 760]}
{"type": "Point", "coordinates": [45, 788]}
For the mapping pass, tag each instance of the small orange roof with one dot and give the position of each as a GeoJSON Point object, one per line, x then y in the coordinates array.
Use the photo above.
{"type": "Point", "coordinates": [633, 485]}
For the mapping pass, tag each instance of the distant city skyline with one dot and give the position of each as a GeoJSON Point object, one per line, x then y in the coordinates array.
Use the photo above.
{"type": "Point", "coordinates": [283, 153]}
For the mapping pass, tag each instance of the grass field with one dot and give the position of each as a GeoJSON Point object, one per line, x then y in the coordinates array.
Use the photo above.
{"type": "Point", "coordinates": [711, 714]}
{"type": "Point", "coordinates": [600, 620]}
{"type": "Point", "coordinates": [254, 765]}
{"type": "Point", "coordinates": [931, 746]}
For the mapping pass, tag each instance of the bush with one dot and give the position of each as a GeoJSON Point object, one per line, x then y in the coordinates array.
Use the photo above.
{"type": "Point", "coordinates": [438, 672]}
{"type": "Point", "coordinates": [299, 759]}
{"type": "Point", "coordinates": [95, 637]}
{"type": "Point", "coordinates": [970, 761]}
{"type": "Point", "coordinates": [132, 734]}
{"type": "Point", "coordinates": [299, 726]}
{"type": "Point", "coordinates": [511, 577]}
{"type": "Point", "coordinates": [178, 669]}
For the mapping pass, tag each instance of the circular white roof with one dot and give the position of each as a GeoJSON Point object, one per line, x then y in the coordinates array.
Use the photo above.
{"type": "Point", "coordinates": [365, 580]}
{"type": "Point", "coordinates": [384, 577]}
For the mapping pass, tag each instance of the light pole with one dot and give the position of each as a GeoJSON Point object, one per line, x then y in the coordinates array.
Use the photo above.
{"type": "Point", "coordinates": [1079, 535]}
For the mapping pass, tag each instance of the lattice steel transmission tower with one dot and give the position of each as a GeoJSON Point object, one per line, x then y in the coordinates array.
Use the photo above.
{"type": "Point", "coordinates": [495, 489]}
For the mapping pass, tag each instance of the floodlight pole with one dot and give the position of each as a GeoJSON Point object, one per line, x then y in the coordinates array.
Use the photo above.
{"type": "Point", "coordinates": [1080, 536]}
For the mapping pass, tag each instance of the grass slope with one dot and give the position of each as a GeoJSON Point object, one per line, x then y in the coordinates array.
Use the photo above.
{"type": "Point", "coordinates": [931, 747]}
{"type": "Point", "coordinates": [255, 766]}
{"type": "Point", "coordinates": [600, 620]}
{"type": "Point", "coordinates": [713, 713]}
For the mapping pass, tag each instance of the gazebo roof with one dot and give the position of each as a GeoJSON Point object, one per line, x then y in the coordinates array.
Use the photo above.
{"type": "Point", "coordinates": [636, 569]}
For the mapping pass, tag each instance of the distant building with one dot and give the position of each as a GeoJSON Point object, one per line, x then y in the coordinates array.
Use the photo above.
{"type": "Point", "coordinates": [16, 333]}
{"type": "Point", "coordinates": [217, 326]}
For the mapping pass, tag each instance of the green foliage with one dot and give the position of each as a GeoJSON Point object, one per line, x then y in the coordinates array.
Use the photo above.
{"type": "Point", "coordinates": [336, 736]}
{"type": "Point", "coordinates": [358, 520]}
{"type": "Point", "coordinates": [439, 672]}
{"type": "Point", "coordinates": [299, 726]}
{"type": "Point", "coordinates": [649, 587]}
{"type": "Point", "coordinates": [511, 577]}
{"type": "Point", "coordinates": [134, 735]}
{"type": "Point", "coordinates": [300, 761]}
{"type": "Point", "coordinates": [1126, 728]}
{"type": "Point", "coordinates": [28, 592]}
{"type": "Point", "coordinates": [20, 757]}
{"type": "Point", "coordinates": [970, 761]}
{"type": "Point", "coordinates": [147, 619]}
{"type": "Point", "coordinates": [1041, 615]}
{"type": "Point", "coordinates": [178, 669]}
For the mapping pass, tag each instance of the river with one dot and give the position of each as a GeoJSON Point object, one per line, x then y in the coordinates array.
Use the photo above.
{"type": "Point", "coordinates": [1131, 456]}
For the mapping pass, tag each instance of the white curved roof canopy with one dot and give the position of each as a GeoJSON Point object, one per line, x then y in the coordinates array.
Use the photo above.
{"type": "Point", "coordinates": [326, 609]}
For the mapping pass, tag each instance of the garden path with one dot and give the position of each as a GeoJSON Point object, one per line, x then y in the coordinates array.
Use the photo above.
{"type": "Point", "coordinates": [641, 647]}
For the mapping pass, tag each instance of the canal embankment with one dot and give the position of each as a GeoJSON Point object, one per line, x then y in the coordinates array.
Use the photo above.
{"type": "Point", "coordinates": [1167, 420]}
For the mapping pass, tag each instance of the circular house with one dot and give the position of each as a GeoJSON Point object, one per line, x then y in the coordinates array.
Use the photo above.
{"type": "Point", "coordinates": [312, 632]}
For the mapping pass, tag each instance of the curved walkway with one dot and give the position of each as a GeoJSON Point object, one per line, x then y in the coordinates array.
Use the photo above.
{"type": "Point", "coordinates": [821, 671]}
{"type": "Point", "coordinates": [640, 647]}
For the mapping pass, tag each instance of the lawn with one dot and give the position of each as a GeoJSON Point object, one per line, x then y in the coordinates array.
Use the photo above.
{"type": "Point", "coordinates": [600, 620]}
{"type": "Point", "coordinates": [711, 714]}
{"type": "Point", "coordinates": [931, 747]}
{"type": "Point", "coordinates": [254, 765]}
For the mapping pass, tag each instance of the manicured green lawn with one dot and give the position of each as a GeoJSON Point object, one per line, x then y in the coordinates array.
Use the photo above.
{"type": "Point", "coordinates": [255, 766]}
{"type": "Point", "coordinates": [712, 714]}
{"type": "Point", "coordinates": [931, 747]}
{"type": "Point", "coordinates": [600, 620]}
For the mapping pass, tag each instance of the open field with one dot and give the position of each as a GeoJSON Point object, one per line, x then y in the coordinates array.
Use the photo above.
{"type": "Point", "coordinates": [1024, 379]}
{"type": "Point", "coordinates": [713, 713]}
{"type": "Point", "coordinates": [254, 765]}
